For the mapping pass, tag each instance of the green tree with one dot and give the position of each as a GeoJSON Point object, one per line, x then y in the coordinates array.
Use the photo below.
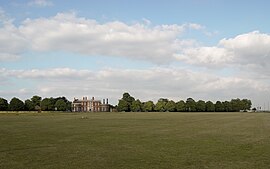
{"type": "Point", "coordinates": [200, 106]}
{"type": "Point", "coordinates": [236, 105]}
{"type": "Point", "coordinates": [3, 104]}
{"type": "Point", "coordinates": [190, 105]}
{"type": "Point", "coordinates": [219, 107]}
{"type": "Point", "coordinates": [136, 106]}
{"type": "Point", "coordinates": [160, 105]}
{"type": "Point", "coordinates": [246, 104]}
{"type": "Point", "coordinates": [47, 104]}
{"type": "Point", "coordinates": [148, 106]}
{"type": "Point", "coordinates": [170, 106]}
{"type": "Point", "coordinates": [68, 103]}
{"type": "Point", "coordinates": [128, 98]}
{"type": "Point", "coordinates": [29, 105]}
{"type": "Point", "coordinates": [227, 106]}
{"type": "Point", "coordinates": [209, 106]}
{"type": "Point", "coordinates": [163, 100]}
{"type": "Point", "coordinates": [142, 107]}
{"type": "Point", "coordinates": [36, 100]}
{"type": "Point", "coordinates": [16, 104]}
{"type": "Point", "coordinates": [61, 105]}
{"type": "Point", "coordinates": [180, 106]}
{"type": "Point", "coordinates": [123, 106]}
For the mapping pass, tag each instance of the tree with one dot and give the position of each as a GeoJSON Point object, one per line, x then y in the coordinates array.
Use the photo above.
{"type": "Point", "coordinates": [160, 105]}
{"type": "Point", "coordinates": [180, 106]}
{"type": "Point", "coordinates": [3, 104]}
{"type": "Point", "coordinates": [29, 105]}
{"type": "Point", "coordinates": [246, 104]}
{"type": "Point", "coordinates": [148, 106]}
{"type": "Point", "coordinates": [128, 103]}
{"type": "Point", "coordinates": [136, 106]}
{"type": "Point", "coordinates": [227, 106]}
{"type": "Point", "coordinates": [209, 106]}
{"type": "Point", "coordinates": [170, 106]}
{"type": "Point", "coordinates": [47, 104]}
{"type": "Point", "coordinates": [163, 100]}
{"type": "Point", "coordinates": [63, 98]}
{"type": "Point", "coordinates": [68, 103]}
{"type": "Point", "coordinates": [123, 106]}
{"type": "Point", "coordinates": [128, 99]}
{"type": "Point", "coordinates": [200, 106]}
{"type": "Point", "coordinates": [190, 105]}
{"type": "Point", "coordinates": [36, 100]}
{"type": "Point", "coordinates": [236, 105]}
{"type": "Point", "coordinates": [60, 105]}
{"type": "Point", "coordinates": [219, 107]}
{"type": "Point", "coordinates": [16, 104]}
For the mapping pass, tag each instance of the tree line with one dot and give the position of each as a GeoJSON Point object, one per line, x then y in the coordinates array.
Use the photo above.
{"type": "Point", "coordinates": [36, 103]}
{"type": "Point", "coordinates": [129, 104]}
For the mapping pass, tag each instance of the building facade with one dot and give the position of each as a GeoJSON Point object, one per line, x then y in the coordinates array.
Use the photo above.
{"type": "Point", "coordinates": [86, 105]}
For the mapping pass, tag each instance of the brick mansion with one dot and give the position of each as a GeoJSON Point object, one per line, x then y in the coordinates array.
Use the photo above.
{"type": "Point", "coordinates": [91, 105]}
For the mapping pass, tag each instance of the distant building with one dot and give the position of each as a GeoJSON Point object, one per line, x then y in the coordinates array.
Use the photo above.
{"type": "Point", "coordinates": [86, 105]}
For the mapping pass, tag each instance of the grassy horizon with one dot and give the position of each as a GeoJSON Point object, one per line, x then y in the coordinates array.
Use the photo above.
{"type": "Point", "coordinates": [134, 140]}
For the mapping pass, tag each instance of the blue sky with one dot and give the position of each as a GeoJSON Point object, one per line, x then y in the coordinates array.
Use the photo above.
{"type": "Point", "coordinates": [229, 18]}
{"type": "Point", "coordinates": [205, 49]}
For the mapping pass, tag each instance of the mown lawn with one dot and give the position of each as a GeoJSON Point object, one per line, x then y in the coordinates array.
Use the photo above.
{"type": "Point", "coordinates": [135, 140]}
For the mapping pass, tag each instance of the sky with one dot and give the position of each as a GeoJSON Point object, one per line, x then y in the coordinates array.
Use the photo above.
{"type": "Point", "coordinates": [175, 49]}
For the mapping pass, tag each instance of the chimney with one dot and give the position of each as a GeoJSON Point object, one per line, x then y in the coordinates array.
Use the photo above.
{"type": "Point", "coordinates": [107, 101]}
{"type": "Point", "coordinates": [93, 98]}
{"type": "Point", "coordinates": [103, 101]}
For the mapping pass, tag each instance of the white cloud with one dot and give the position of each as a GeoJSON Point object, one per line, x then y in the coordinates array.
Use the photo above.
{"type": "Point", "coordinates": [67, 32]}
{"type": "Point", "coordinates": [57, 73]}
{"type": "Point", "coordinates": [206, 56]}
{"type": "Point", "coordinates": [249, 48]}
{"type": "Point", "coordinates": [250, 51]}
{"type": "Point", "coordinates": [40, 3]}
{"type": "Point", "coordinates": [12, 42]}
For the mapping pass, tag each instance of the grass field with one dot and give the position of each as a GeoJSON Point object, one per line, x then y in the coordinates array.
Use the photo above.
{"type": "Point", "coordinates": [135, 140]}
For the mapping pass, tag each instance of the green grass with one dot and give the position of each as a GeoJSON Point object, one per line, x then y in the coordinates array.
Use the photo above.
{"type": "Point", "coordinates": [134, 140]}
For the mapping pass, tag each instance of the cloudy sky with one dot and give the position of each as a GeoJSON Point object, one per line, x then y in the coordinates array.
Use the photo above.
{"type": "Point", "coordinates": [204, 49]}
